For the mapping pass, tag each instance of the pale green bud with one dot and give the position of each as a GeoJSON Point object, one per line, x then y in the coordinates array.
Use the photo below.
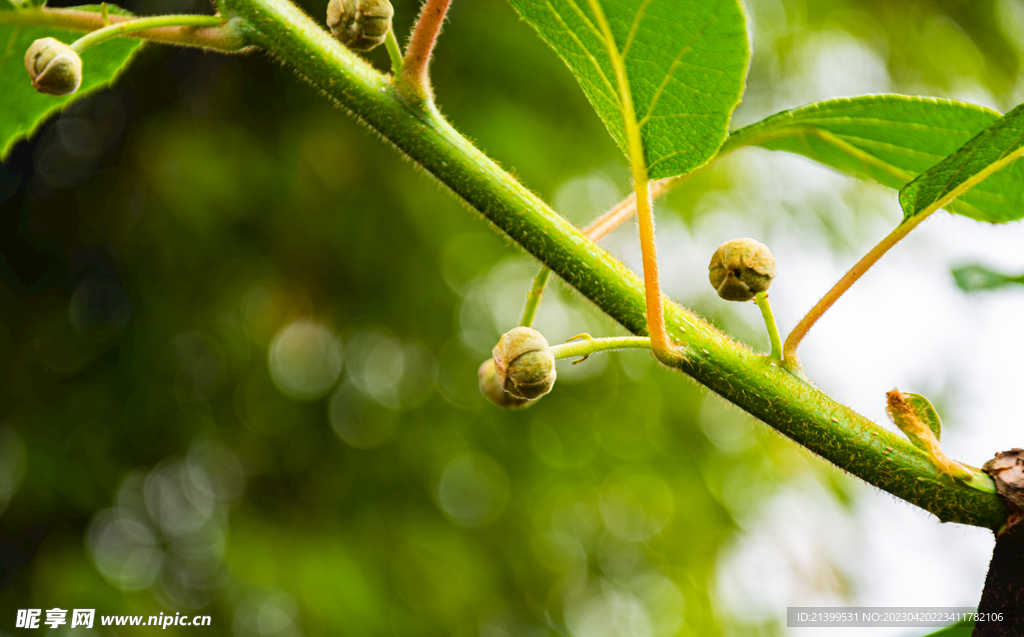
{"type": "Point", "coordinates": [360, 24]}
{"type": "Point", "coordinates": [491, 388]}
{"type": "Point", "coordinates": [740, 269]}
{"type": "Point", "coordinates": [524, 363]}
{"type": "Point", "coordinates": [55, 69]}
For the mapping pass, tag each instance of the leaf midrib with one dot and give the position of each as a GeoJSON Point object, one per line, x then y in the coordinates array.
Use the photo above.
{"type": "Point", "coordinates": [618, 57]}
{"type": "Point", "coordinates": [586, 51]}
{"type": "Point", "coordinates": [1005, 158]}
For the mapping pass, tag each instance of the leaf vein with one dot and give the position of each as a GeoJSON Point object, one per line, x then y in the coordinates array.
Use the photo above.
{"type": "Point", "coordinates": [675, 64]}
{"type": "Point", "coordinates": [634, 27]}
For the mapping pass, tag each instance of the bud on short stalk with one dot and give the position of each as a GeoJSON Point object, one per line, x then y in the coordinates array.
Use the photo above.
{"type": "Point", "coordinates": [55, 69]}
{"type": "Point", "coordinates": [524, 363]}
{"type": "Point", "coordinates": [360, 25]}
{"type": "Point", "coordinates": [740, 269]}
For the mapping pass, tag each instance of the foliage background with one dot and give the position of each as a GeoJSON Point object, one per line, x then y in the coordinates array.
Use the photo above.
{"type": "Point", "coordinates": [239, 337]}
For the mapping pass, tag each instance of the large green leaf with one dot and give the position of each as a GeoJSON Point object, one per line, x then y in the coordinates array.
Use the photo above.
{"type": "Point", "coordinates": [987, 159]}
{"type": "Point", "coordinates": [685, 63]}
{"type": "Point", "coordinates": [21, 108]}
{"type": "Point", "coordinates": [890, 139]}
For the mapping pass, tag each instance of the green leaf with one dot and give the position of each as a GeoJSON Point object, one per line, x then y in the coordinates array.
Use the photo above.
{"type": "Point", "coordinates": [976, 277]}
{"type": "Point", "coordinates": [924, 410]}
{"type": "Point", "coordinates": [21, 108]}
{"type": "Point", "coordinates": [685, 64]}
{"type": "Point", "coordinates": [890, 139]}
{"type": "Point", "coordinates": [989, 154]}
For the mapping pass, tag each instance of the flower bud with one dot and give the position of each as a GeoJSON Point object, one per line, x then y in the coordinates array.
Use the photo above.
{"type": "Point", "coordinates": [54, 67]}
{"type": "Point", "coordinates": [360, 24]}
{"type": "Point", "coordinates": [491, 388]}
{"type": "Point", "coordinates": [740, 269]}
{"type": "Point", "coordinates": [524, 363]}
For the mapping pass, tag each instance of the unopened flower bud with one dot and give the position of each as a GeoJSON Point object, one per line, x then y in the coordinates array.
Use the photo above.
{"type": "Point", "coordinates": [740, 269]}
{"type": "Point", "coordinates": [360, 24]}
{"type": "Point", "coordinates": [491, 388]}
{"type": "Point", "coordinates": [524, 363]}
{"type": "Point", "coordinates": [54, 67]}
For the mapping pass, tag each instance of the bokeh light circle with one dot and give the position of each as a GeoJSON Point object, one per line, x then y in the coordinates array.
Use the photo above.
{"type": "Point", "coordinates": [305, 360]}
{"type": "Point", "coordinates": [473, 489]}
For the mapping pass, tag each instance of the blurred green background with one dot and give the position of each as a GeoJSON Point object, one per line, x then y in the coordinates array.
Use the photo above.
{"type": "Point", "coordinates": [239, 338]}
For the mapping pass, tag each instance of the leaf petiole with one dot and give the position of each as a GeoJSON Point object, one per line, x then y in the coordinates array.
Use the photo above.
{"type": "Point", "coordinates": [597, 230]}
{"type": "Point", "coordinates": [143, 24]}
{"type": "Point", "coordinates": [415, 78]}
{"type": "Point", "coordinates": [840, 288]}
{"type": "Point", "coordinates": [660, 341]}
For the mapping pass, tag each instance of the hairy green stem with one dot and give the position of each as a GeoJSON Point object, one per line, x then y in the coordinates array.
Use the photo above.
{"type": "Point", "coordinates": [143, 24]}
{"type": "Point", "coordinates": [780, 399]}
{"type": "Point", "coordinates": [761, 299]}
{"type": "Point", "coordinates": [225, 38]}
{"type": "Point", "coordinates": [587, 345]}
{"type": "Point", "coordinates": [534, 296]}
{"type": "Point", "coordinates": [395, 52]}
